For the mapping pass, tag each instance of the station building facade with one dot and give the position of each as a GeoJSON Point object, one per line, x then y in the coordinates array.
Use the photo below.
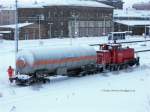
{"type": "Point", "coordinates": [70, 20]}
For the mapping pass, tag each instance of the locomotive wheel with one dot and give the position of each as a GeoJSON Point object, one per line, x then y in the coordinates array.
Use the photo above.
{"type": "Point", "coordinates": [114, 67]}
{"type": "Point", "coordinates": [101, 69]}
{"type": "Point", "coordinates": [118, 67]}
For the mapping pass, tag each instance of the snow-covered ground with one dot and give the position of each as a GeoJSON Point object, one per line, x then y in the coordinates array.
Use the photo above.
{"type": "Point", "coordinates": [123, 91]}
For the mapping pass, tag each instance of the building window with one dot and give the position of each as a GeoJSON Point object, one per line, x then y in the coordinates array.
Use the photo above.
{"type": "Point", "coordinates": [62, 23]}
{"type": "Point", "coordinates": [82, 23]}
{"type": "Point", "coordinates": [62, 13]}
{"type": "Point", "coordinates": [49, 14]}
{"type": "Point", "coordinates": [62, 32]}
{"type": "Point", "coordinates": [108, 23]}
{"type": "Point", "coordinates": [91, 23]}
{"type": "Point", "coordinates": [100, 23]}
{"type": "Point", "coordinates": [55, 14]}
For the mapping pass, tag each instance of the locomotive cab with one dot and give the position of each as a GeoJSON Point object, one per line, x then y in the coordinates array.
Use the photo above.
{"type": "Point", "coordinates": [110, 46]}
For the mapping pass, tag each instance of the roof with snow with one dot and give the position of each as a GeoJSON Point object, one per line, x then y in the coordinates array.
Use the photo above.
{"type": "Point", "coordinates": [133, 22]}
{"type": "Point", "coordinates": [148, 26]}
{"type": "Point", "coordinates": [82, 3]}
{"type": "Point", "coordinates": [78, 3]}
{"type": "Point", "coordinates": [5, 32]}
{"type": "Point", "coordinates": [13, 26]}
{"type": "Point", "coordinates": [131, 13]}
{"type": "Point", "coordinates": [34, 5]}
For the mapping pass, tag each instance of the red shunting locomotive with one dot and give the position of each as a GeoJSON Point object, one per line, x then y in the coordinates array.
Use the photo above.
{"type": "Point", "coordinates": [115, 57]}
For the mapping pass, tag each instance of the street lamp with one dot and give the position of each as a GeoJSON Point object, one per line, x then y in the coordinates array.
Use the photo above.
{"type": "Point", "coordinates": [16, 33]}
{"type": "Point", "coordinates": [113, 20]}
{"type": "Point", "coordinates": [145, 26]}
{"type": "Point", "coordinates": [16, 29]}
{"type": "Point", "coordinates": [127, 13]}
{"type": "Point", "coordinates": [104, 26]}
{"type": "Point", "coordinates": [39, 27]}
{"type": "Point", "coordinates": [50, 30]}
{"type": "Point", "coordinates": [74, 17]}
{"type": "Point", "coordinates": [40, 17]}
{"type": "Point", "coordinates": [0, 16]}
{"type": "Point", "coordinates": [145, 32]}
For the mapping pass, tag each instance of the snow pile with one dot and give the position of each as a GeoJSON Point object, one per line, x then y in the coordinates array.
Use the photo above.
{"type": "Point", "coordinates": [77, 3]}
{"type": "Point", "coordinates": [133, 22]}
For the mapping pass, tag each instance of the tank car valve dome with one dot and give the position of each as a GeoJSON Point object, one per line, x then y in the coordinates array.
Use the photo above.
{"type": "Point", "coordinates": [21, 63]}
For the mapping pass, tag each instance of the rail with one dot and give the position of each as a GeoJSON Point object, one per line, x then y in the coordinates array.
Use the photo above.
{"type": "Point", "coordinates": [124, 42]}
{"type": "Point", "coordinates": [147, 50]}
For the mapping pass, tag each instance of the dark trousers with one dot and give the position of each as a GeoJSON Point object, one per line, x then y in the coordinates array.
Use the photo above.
{"type": "Point", "coordinates": [11, 79]}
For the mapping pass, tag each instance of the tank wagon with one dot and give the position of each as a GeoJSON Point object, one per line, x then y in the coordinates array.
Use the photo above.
{"type": "Point", "coordinates": [39, 63]}
{"type": "Point", "coordinates": [36, 64]}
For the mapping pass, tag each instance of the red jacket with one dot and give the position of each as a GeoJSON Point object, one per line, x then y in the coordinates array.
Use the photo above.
{"type": "Point", "coordinates": [10, 72]}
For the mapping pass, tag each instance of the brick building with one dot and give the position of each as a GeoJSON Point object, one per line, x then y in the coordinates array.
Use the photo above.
{"type": "Point", "coordinates": [7, 16]}
{"type": "Point", "coordinates": [66, 19]}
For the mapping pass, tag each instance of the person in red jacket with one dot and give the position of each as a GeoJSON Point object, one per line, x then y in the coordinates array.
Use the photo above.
{"type": "Point", "coordinates": [10, 74]}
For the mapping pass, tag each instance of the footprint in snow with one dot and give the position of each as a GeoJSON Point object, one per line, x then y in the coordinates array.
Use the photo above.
{"type": "Point", "coordinates": [13, 109]}
{"type": "Point", "coordinates": [1, 95]}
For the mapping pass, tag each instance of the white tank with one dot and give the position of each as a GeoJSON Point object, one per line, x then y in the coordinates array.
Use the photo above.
{"type": "Point", "coordinates": [51, 59]}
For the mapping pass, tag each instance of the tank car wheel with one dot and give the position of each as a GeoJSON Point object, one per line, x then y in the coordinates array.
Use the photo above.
{"type": "Point", "coordinates": [69, 75]}
{"type": "Point", "coordinates": [102, 69]}
{"type": "Point", "coordinates": [45, 80]}
{"type": "Point", "coordinates": [83, 73]}
{"type": "Point", "coordinates": [125, 66]}
{"type": "Point", "coordinates": [110, 68]}
{"type": "Point", "coordinates": [27, 84]}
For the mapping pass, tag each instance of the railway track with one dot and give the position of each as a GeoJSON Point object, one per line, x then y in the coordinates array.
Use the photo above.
{"type": "Point", "coordinates": [125, 42]}
{"type": "Point", "coordinates": [147, 50]}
